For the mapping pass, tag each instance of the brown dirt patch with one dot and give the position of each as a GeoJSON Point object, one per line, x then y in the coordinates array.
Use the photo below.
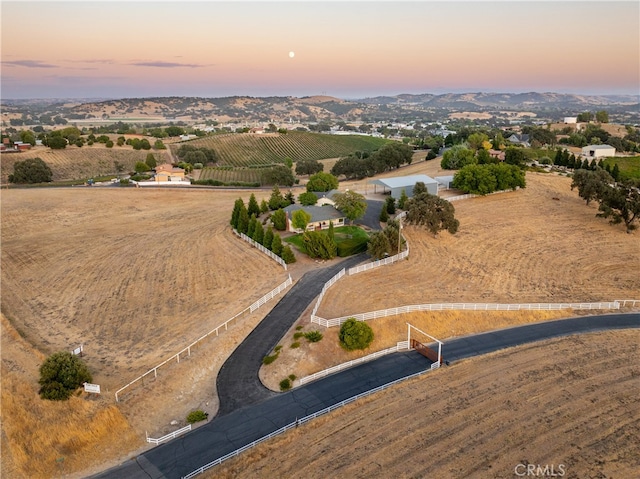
{"type": "Point", "coordinates": [573, 401]}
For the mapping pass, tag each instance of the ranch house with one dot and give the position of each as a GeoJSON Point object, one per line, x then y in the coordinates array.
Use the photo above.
{"type": "Point", "coordinates": [598, 151]}
{"type": "Point", "coordinates": [320, 217]}
{"type": "Point", "coordinates": [169, 172]}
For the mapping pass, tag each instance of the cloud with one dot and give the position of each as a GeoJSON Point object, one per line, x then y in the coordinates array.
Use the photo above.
{"type": "Point", "coordinates": [162, 64]}
{"type": "Point", "coordinates": [29, 64]}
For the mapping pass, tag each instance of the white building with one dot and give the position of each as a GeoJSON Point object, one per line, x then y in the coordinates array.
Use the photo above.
{"type": "Point", "coordinates": [598, 151]}
{"type": "Point", "coordinates": [406, 183]}
{"type": "Point", "coordinates": [570, 119]}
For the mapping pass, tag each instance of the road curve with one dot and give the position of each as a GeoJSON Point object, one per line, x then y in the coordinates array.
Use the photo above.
{"type": "Point", "coordinates": [231, 431]}
{"type": "Point", "coordinates": [238, 384]}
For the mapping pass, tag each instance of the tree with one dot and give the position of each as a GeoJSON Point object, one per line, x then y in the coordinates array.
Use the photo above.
{"type": "Point", "coordinates": [243, 220]}
{"type": "Point", "coordinates": [141, 167]}
{"type": "Point", "coordinates": [355, 335]}
{"type": "Point", "coordinates": [151, 161]}
{"type": "Point", "coordinates": [393, 155]}
{"type": "Point", "coordinates": [158, 145]}
{"type": "Point", "coordinates": [56, 142]}
{"type": "Point", "coordinates": [456, 157]}
{"type": "Point", "coordinates": [235, 215]}
{"type": "Point", "coordinates": [621, 203]}
{"type": "Point", "coordinates": [308, 167]}
{"type": "Point", "coordinates": [317, 244]}
{"type": "Point", "coordinates": [591, 184]}
{"type": "Point", "coordinates": [390, 205]}
{"type": "Point", "coordinates": [253, 208]}
{"type": "Point", "coordinates": [61, 374]}
{"type": "Point", "coordinates": [433, 212]}
{"type": "Point", "coordinates": [268, 238]}
{"type": "Point", "coordinates": [307, 198]}
{"type": "Point", "coordinates": [322, 182]}
{"type": "Point", "coordinates": [251, 227]}
{"type": "Point", "coordinates": [419, 187]}
{"type": "Point", "coordinates": [289, 198]}
{"type": "Point", "coordinates": [264, 206]}
{"type": "Point", "coordinates": [392, 232]}
{"type": "Point", "coordinates": [616, 172]}
{"type": "Point", "coordinates": [276, 200]}
{"type": "Point", "coordinates": [476, 140]}
{"type": "Point", "coordinates": [352, 204]}
{"type": "Point", "coordinates": [174, 131]}
{"type": "Point", "coordinates": [602, 117]}
{"type": "Point", "coordinates": [378, 246]}
{"type": "Point", "coordinates": [287, 255]}
{"type": "Point", "coordinates": [384, 216]}
{"type": "Point", "coordinates": [278, 175]}
{"type": "Point", "coordinates": [27, 136]}
{"type": "Point", "coordinates": [402, 201]}
{"type": "Point", "coordinates": [31, 170]}
{"type": "Point", "coordinates": [279, 219]}
{"type": "Point", "coordinates": [276, 245]}
{"type": "Point", "coordinates": [258, 233]}
{"type": "Point", "coordinates": [300, 219]}
{"type": "Point", "coordinates": [514, 156]}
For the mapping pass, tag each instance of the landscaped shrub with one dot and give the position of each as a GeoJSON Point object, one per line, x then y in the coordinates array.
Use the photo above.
{"type": "Point", "coordinates": [295, 345]}
{"type": "Point", "coordinates": [355, 335]}
{"type": "Point", "coordinates": [269, 359]}
{"type": "Point", "coordinates": [313, 336]}
{"type": "Point", "coordinates": [285, 384]}
{"type": "Point", "coordinates": [61, 374]}
{"type": "Point", "coordinates": [292, 377]}
{"type": "Point", "coordinates": [197, 416]}
{"type": "Point", "coordinates": [298, 335]}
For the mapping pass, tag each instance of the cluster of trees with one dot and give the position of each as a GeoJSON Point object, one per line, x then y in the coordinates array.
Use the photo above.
{"type": "Point", "coordinates": [278, 175]}
{"type": "Point", "coordinates": [386, 242]}
{"type": "Point", "coordinates": [191, 154]}
{"type": "Point", "coordinates": [31, 170]}
{"type": "Point", "coordinates": [320, 244]}
{"type": "Point", "coordinates": [485, 179]}
{"type": "Point", "coordinates": [620, 202]}
{"type": "Point", "coordinates": [308, 167]}
{"type": "Point", "coordinates": [364, 164]}
{"type": "Point", "coordinates": [461, 155]}
{"type": "Point", "coordinates": [600, 116]}
{"type": "Point", "coordinates": [61, 374]}
{"type": "Point", "coordinates": [170, 131]}
{"type": "Point", "coordinates": [242, 222]}
{"type": "Point", "coordinates": [570, 160]}
{"type": "Point", "coordinates": [431, 211]}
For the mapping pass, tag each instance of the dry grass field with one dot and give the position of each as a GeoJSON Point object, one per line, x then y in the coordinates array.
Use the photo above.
{"type": "Point", "coordinates": [135, 275]}
{"type": "Point", "coordinates": [571, 401]}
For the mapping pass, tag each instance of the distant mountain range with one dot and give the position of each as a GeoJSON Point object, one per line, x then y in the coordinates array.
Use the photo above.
{"type": "Point", "coordinates": [318, 108]}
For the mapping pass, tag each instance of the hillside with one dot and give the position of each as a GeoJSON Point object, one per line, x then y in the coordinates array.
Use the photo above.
{"type": "Point", "coordinates": [246, 149]}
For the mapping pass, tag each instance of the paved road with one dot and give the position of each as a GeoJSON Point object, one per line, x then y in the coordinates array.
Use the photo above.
{"type": "Point", "coordinates": [238, 384]}
{"type": "Point", "coordinates": [371, 217]}
{"type": "Point", "coordinates": [243, 426]}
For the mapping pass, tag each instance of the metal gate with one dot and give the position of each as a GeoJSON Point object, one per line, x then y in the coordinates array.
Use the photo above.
{"type": "Point", "coordinates": [427, 352]}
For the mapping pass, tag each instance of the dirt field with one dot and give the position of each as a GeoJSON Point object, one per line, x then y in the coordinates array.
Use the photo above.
{"type": "Point", "coordinates": [573, 402]}
{"type": "Point", "coordinates": [136, 275]}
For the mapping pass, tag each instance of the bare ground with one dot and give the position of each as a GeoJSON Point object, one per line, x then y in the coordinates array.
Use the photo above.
{"type": "Point", "coordinates": [572, 401]}
{"type": "Point", "coordinates": [136, 275]}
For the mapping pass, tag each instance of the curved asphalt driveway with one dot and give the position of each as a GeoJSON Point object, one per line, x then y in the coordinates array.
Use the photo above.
{"type": "Point", "coordinates": [229, 432]}
{"type": "Point", "coordinates": [238, 384]}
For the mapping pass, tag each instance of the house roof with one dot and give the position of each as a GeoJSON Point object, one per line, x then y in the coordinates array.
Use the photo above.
{"type": "Point", "coordinates": [169, 168]}
{"type": "Point", "coordinates": [403, 181]}
{"type": "Point", "coordinates": [444, 180]}
{"type": "Point", "coordinates": [599, 147]}
{"type": "Point", "coordinates": [318, 213]}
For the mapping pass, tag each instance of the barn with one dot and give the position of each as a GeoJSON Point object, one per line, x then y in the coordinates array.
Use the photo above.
{"type": "Point", "coordinates": [398, 183]}
{"type": "Point", "coordinates": [598, 151]}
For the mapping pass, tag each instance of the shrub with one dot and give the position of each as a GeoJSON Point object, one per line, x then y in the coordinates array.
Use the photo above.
{"type": "Point", "coordinates": [285, 384]}
{"type": "Point", "coordinates": [295, 345]}
{"type": "Point", "coordinates": [292, 377]}
{"type": "Point", "coordinates": [278, 348]}
{"type": "Point", "coordinates": [313, 336]}
{"type": "Point", "coordinates": [197, 416]}
{"type": "Point", "coordinates": [299, 327]}
{"type": "Point", "coordinates": [61, 374]}
{"type": "Point", "coordinates": [269, 359]}
{"type": "Point", "coordinates": [298, 335]}
{"type": "Point", "coordinates": [355, 335]}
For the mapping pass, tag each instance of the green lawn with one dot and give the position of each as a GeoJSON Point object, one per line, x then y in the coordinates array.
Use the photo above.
{"type": "Point", "coordinates": [629, 166]}
{"type": "Point", "coordinates": [342, 234]}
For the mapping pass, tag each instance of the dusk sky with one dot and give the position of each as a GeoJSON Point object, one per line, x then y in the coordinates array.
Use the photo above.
{"type": "Point", "coordinates": [119, 49]}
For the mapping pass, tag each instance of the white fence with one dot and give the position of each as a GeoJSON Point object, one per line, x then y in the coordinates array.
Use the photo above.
{"type": "Point", "coordinates": [467, 196]}
{"type": "Point", "coordinates": [298, 422]}
{"type": "Point", "coordinates": [380, 262]}
{"type": "Point", "coordinates": [169, 436]}
{"type": "Point", "coordinates": [215, 331]}
{"type": "Point", "coordinates": [370, 357]}
{"type": "Point", "coordinates": [462, 307]}
{"type": "Point", "coordinates": [324, 289]}
{"type": "Point", "coordinates": [269, 253]}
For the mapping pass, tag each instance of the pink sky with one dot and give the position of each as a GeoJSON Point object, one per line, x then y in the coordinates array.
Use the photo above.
{"type": "Point", "coordinates": [345, 49]}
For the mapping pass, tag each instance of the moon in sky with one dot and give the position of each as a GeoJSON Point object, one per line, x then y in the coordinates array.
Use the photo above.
{"type": "Point", "coordinates": [292, 54]}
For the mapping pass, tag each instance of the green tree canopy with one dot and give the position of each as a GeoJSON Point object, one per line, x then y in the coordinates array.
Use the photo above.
{"type": "Point", "coordinates": [322, 182]}
{"type": "Point", "coordinates": [378, 246]}
{"type": "Point", "coordinates": [456, 157]}
{"type": "Point", "coordinates": [279, 220]}
{"type": "Point", "coordinates": [307, 198]}
{"type": "Point", "coordinates": [61, 374]}
{"type": "Point", "coordinates": [253, 208]}
{"type": "Point", "coordinates": [300, 219]}
{"type": "Point", "coordinates": [318, 244]}
{"type": "Point", "coordinates": [352, 204]}
{"type": "Point", "coordinates": [31, 170]}
{"type": "Point", "coordinates": [151, 161]}
{"type": "Point", "coordinates": [591, 184]}
{"type": "Point", "coordinates": [308, 167]}
{"type": "Point", "coordinates": [355, 335]}
{"type": "Point", "coordinates": [433, 212]}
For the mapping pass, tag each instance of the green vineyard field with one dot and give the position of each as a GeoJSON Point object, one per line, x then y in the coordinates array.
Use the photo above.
{"type": "Point", "coordinates": [245, 175]}
{"type": "Point", "coordinates": [246, 149]}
